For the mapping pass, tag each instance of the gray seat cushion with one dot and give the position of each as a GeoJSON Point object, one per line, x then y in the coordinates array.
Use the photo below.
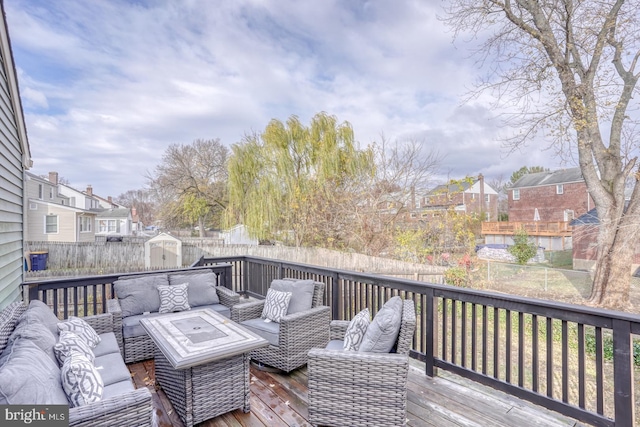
{"type": "Point", "coordinates": [108, 344]}
{"type": "Point", "coordinates": [301, 293]}
{"type": "Point", "coordinates": [139, 294]}
{"type": "Point", "coordinates": [29, 376]}
{"type": "Point", "coordinates": [117, 389]}
{"type": "Point", "coordinates": [335, 345]}
{"type": "Point", "coordinates": [219, 308]}
{"type": "Point", "coordinates": [383, 331]}
{"type": "Point", "coordinates": [202, 287]}
{"type": "Point", "coordinates": [131, 325]}
{"type": "Point", "coordinates": [112, 369]}
{"type": "Point", "coordinates": [269, 331]}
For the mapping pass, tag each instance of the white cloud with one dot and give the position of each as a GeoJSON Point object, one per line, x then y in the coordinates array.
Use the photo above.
{"type": "Point", "coordinates": [107, 86]}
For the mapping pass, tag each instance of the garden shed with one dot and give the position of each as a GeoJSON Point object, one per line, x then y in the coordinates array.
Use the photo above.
{"type": "Point", "coordinates": [163, 251]}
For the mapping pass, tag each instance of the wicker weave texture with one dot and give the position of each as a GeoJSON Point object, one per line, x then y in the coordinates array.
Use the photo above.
{"type": "Point", "coordinates": [128, 409]}
{"type": "Point", "coordinates": [205, 391]}
{"type": "Point", "coordinates": [101, 323]}
{"type": "Point", "coordinates": [8, 320]}
{"type": "Point", "coordinates": [361, 389]}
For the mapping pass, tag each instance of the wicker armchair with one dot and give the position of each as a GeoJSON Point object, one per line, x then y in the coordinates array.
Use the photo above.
{"type": "Point", "coordinates": [297, 333]}
{"type": "Point", "coordinates": [358, 389]}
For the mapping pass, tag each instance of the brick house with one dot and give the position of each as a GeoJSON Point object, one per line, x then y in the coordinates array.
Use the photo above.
{"type": "Point", "coordinates": [551, 196]}
{"type": "Point", "coordinates": [471, 196]}
{"type": "Point", "coordinates": [543, 204]}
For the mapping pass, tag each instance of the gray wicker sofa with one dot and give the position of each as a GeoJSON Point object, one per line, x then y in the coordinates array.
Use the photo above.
{"type": "Point", "coordinates": [30, 373]}
{"type": "Point", "coordinates": [137, 297]}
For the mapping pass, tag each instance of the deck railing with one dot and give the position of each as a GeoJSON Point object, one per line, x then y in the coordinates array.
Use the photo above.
{"type": "Point", "coordinates": [533, 228]}
{"type": "Point", "coordinates": [572, 359]}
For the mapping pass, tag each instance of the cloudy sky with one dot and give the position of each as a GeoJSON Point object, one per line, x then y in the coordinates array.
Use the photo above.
{"type": "Point", "coordinates": [106, 86]}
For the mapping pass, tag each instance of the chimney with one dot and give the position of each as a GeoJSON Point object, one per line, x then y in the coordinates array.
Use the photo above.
{"type": "Point", "coordinates": [483, 205]}
{"type": "Point", "coordinates": [89, 190]}
{"type": "Point", "coordinates": [110, 199]}
{"type": "Point", "coordinates": [53, 178]}
{"type": "Point", "coordinates": [133, 211]}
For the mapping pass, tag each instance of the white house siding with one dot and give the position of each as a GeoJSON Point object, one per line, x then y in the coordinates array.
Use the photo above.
{"type": "Point", "coordinates": [67, 223]}
{"type": "Point", "coordinates": [14, 160]}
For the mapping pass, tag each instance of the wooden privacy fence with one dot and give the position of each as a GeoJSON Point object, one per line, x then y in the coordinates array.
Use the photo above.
{"type": "Point", "coordinates": [571, 359]}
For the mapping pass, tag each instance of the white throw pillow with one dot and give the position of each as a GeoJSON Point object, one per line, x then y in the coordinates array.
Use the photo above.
{"type": "Point", "coordinates": [81, 328]}
{"type": "Point", "coordinates": [70, 342]}
{"type": "Point", "coordinates": [174, 298]}
{"type": "Point", "coordinates": [355, 331]}
{"type": "Point", "coordinates": [81, 381]}
{"type": "Point", "coordinates": [275, 305]}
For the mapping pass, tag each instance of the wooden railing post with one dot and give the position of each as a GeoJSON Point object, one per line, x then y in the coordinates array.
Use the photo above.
{"type": "Point", "coordinates": [623, 373]}
{"type": "Point", "coordinates": [429, 313]}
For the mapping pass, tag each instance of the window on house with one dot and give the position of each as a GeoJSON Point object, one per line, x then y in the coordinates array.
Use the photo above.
{"type": "Point", "coordinates": [51, 224]}
{"type": "Point", "coordinates": [40, 191]}
{"type": "Point", "coordinates": [51, 192]}
{"type": "Point", "coordinates": [108, 226]}
{"type": "Point", "coordinates": [559, 189]}
{"type": "Point", "coordinates": [85, 224]}
{"type": "Point", "coordinates": [486, 198]}
{"type": "Point", "coordinates": [516, 194]}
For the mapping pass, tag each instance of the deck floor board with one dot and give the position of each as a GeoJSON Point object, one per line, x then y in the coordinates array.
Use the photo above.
{"type": "Point", "coordinates": [443, 401]}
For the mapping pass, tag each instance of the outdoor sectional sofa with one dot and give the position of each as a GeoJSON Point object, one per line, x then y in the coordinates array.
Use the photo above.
{"type": "Point", "coordinates": [137, 297]}
{"type": "Point", "coordinates": [30, 373]}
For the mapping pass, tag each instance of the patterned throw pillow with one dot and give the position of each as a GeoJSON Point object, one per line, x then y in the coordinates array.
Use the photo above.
{"type": "Point", "coordinates": [355, 331]}
{"type": "Point", "coordinates": [69, 342]}
{"type": "Point", "coordinates": [82, 329]}
{"type": "Point", "coordinates": [275, 305]}
{"type": "Point", "coordinates": [81, 381]}
{"type": "Point", "coordinates": [174, 298]}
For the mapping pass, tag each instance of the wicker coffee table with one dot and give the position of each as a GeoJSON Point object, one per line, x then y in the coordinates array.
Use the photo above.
{"type": "Point", "coordinates": [202, 362]}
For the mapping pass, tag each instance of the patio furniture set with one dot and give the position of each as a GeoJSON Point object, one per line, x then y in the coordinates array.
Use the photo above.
{"type": "Point", "coordinates": [202, 339]}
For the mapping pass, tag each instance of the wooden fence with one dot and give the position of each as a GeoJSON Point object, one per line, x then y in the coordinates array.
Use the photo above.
{"type": "Point", "coordinates": [82, 259]}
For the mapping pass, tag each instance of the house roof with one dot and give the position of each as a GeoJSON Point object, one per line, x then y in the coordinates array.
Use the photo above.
{"type": "Point", "coordinates": [589, 218]}
{"type": "Point", "coordinates": [452, 188]}
{"type": "Point", "coordinates": [560, 176]}
{"type": "Point", "coordinates": [66, 207]}
{"type": "Point", "coordinates": [113, 213]}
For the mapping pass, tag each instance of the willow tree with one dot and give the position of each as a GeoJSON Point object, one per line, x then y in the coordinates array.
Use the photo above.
{"type": "Point", "coordinates": [287, 181]}
{"type": "Point", "coordinates": [570, 67]}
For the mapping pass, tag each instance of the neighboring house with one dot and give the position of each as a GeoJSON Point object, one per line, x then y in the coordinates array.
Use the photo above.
{"type": "Point", "coordinates": [551, 196]}
{"type": "Point", "coordinates": [107, 203]}
{"type": "Point", "coordinates": [14, 161]}
{"type": "Point", "coordinates": [472, 196]}
{"type": "Point", "coordinates": [77, 198]}
{"type": "Point", "coordinates": [51, 216]}
{"type": "Point", "coordinates": [113, 221]}
{"type": "Point", "coordinates": [585, 242]}
{"type": "Point", "coordinates": [543, 203]}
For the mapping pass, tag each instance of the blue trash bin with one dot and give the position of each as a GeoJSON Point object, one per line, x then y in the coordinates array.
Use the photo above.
{"type": "Point", "coordinates": [38, 260]}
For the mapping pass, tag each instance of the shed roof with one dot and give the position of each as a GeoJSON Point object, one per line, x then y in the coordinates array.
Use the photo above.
{"type": "Point", "coordinates": [560, 176]}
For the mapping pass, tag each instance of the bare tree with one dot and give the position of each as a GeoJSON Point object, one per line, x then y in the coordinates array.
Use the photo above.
{"type": "Point", "coordinates": [191, 183]}
{"type": "Point", "coordinates": [570, 67]}
{"type": "Point", "coordinates": [143, 203]}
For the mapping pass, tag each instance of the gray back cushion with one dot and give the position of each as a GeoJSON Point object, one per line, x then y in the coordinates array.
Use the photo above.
{"type": "Point", "coordinates": [202, 287]}
{"type": "Point", "coordinates": [29, 376]}
{"type": "Point", "coordinates": [383, 331]}
{"type": "Point", "coordinates": [140, 294]}
{"type": "Point", "coordinates": [39, 312]}
{"type": "Point", "coordinates": [38, 334]}
{"type": "Point", "coordinates": [301, 293]}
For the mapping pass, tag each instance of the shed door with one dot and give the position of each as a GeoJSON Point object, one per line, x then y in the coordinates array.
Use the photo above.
{"type": "Point", "coordinates": [163, 254]}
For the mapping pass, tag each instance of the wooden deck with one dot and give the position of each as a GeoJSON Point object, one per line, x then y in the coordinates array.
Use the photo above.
{"type": "Point", "coordinates": [446, 400]}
